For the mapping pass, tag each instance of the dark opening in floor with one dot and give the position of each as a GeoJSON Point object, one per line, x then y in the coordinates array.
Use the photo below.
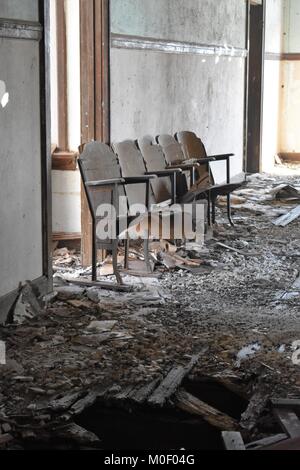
{"type": "Point", "coordinates": [165, 429]}
{"type": "Point", "coordinates": [218, 396]}
{"type": "Point", "coordinates": [149, 430]}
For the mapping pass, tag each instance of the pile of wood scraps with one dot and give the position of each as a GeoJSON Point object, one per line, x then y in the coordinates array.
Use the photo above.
{"type": "Point", "coordinates": [287, 414]}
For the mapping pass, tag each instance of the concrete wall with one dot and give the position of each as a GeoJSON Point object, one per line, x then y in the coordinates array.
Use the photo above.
{"type": "Point", "coordinates": [157, 92]}
{"type": "Point", "coordinates": [20, 166]}
{"type": "Point", "coordinates": [201, 21]}
{"type": "Point", "coordinates": [19, 10]}
{"type": "Point", "coordinates": [66, 205]}
{"type": "Point", "coordinates": [21, 228]}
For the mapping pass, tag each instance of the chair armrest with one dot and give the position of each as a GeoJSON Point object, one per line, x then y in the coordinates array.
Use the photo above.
{"type": "Point", "coordinates": [138, 179]}
{"type": "Point", "coordinates": [162, 173]}
{"type": "Point", "coordinates": [221, 157]}
{"type": "Point", "coordinates": [202, 161]}
{"type": "Point", "coordinates": [182, 166]}
{"type": "Point", "coordinates": [95, 184]}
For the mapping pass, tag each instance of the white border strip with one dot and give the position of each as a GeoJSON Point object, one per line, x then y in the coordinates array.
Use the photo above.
{"type": "Point", "coordinates": [120, 41]}
{"type": "Point", "coordinates": [17, 30]}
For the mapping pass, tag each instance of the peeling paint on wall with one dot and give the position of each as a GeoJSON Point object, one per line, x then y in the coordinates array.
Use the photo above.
{"type": "Point", "coordinates": [4, 95]}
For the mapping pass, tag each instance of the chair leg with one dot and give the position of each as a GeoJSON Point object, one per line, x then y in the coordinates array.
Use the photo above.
{"type": "Point", "coordinates": [94, 254]}
{"type": "Point", "coordinates": [115, 262]}
{"type": "Point", "coordinates": [146, 255]}
{"type": "Point", "coordinates": [229, 210]}
{"type": "Point", "coordinates": [213, 211]}
{"type": "Point", "coordinates": [126, 260]}
{"type": "Point", "coordinates": [208, 209]}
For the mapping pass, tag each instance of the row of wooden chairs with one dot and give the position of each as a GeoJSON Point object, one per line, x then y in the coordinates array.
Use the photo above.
{"type": "Point", "coordinates": [156, 172]}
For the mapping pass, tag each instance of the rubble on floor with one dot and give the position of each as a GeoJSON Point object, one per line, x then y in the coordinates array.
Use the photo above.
{"type": "Point", "coordinates": [233, 304]}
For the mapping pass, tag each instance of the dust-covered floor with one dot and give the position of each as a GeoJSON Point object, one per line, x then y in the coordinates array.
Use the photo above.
{"type": "Point", "coordinates": [239, 309]}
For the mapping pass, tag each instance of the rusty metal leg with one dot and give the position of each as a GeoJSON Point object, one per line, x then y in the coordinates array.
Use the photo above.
{"type": "Point", "coordinates": [115, 261]}
{"type": "Point", "coordinates": [146, 255]}
{"type": "Point", "coordinates": [213, 211]}
{"type": "Point", "coordinates": [126, 260]}
{"type": "Point", "coordinates": [94, 253]}
{"type": "Point", "coordinates": [208, 208]}
{"type": "Point", "coordinates": [229, 210]}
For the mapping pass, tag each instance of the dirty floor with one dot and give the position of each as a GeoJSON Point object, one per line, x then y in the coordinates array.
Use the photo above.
{"type": "Point", "coordinates": [239, 309]}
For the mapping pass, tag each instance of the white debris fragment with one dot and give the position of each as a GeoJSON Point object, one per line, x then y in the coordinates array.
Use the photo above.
{"type": "Point", "coordinates": [245, 353]}
{"type": "Point", "coordinates": [101, 326]}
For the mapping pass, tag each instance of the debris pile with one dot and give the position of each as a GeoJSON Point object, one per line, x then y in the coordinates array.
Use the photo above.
{"type": "Point", "coordinates": [235, 301]}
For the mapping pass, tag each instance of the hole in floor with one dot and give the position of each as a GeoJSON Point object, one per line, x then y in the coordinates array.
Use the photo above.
{"type": "Point", "coordinates": [218, 396]}
{"type": "Point", "coordinates": [165, 429]}
{"type": "Point", "coordinates": [149, 430]}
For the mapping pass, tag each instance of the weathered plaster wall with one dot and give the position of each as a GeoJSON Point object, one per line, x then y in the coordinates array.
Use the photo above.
{"type": "Point", "coordinates": [201, 21]}
{"type": "Point", "coordinates": [19, 10]}
{"type": "Point", "coordinates": [157, 92]}
{"type": "Point", "coordinates": [20, 164]}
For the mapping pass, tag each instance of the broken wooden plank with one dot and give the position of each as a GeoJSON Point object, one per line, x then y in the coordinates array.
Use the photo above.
{"type": "Point", "coordinates": [287, 444]}
{"type": "Point", "coordinates": [139, 395]}
{"type": "Point", "coordinates": [267, 441]}
{"type": "Point", "coordinates": [79, 406]}
{"type": "Point", "coordinates": [285, 402]}
{"type": "Point", "coordinates": [190, 404]}
{"type": "Point", "coordinates": [170, 384]}
{"type": "Point", "coordinates": [286, 219]}
{"type": "Point", "coordinates": [64, 403]}
{"type": "Point", "coordinates": [254, 410]}
{"type": "Point", "coordinates": [103, 285]}
{"type": "Point", "coordinates": [233, 440]}
{"type": "Point", "coordinates": [77, 434]}
{"type": "Point", "coordinates": [289, 421]}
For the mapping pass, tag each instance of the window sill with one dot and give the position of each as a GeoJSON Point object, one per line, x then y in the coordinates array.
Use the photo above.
{"type": "Point", "coordinates": [64, 160]}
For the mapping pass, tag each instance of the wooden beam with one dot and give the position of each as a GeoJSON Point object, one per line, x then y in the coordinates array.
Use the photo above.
{"type": "Point", "coordinates": [95, 97]}
{"type": "Point", "coordinates": [266, 442]}
{"type": "Point", "coordinates": [190, 404]}
{"type": "Point", "coordinates": [62, 76]}
{"type": "Point", "coordinates": [87, 72]}
{"type": "Point", "coordinates": [290, 157]}
{"type": "Point", "coordinates": [285, 402]}
{"type": "Point", "coordinates": [255, 86]}
{"type": "Point", "coordinates": [171, 383]}
{"type": "Point", "coordinates": [60, 236]}
{"type": "Point", "coordinates": [102, 70]}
